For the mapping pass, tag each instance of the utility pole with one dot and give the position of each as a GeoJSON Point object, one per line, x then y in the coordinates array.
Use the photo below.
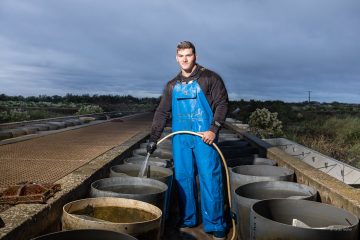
{"type": "Point", "coordinates": [309, 96]}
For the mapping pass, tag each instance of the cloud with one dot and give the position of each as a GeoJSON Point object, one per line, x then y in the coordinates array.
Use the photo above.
{"type": "Point", "coordinates": [263, 49]}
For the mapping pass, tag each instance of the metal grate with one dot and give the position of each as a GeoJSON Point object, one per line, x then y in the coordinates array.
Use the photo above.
{"type": "Point", "coordinates": [49, 158]}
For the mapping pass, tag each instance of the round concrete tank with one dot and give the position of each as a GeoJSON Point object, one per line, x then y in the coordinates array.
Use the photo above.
{"type": "Point", "coordinates": [59, 125]}
{"type": "Point", "coordinates": [41, 126]}
{"type": "Point", "coordinates": [301, 220]}
{"type": "Point", "coordinates": [239, 152]}
{"type": "Point", "coordinates": [248, 194]}
{"type": "Point", "coordinates": [5, 134]}
{"type": "Point", "coordinates": [72, 122]}
{"type": "Point", "coordinates": [164, 175]}
{"type": "Point", "coordinates": [158, 173]}
{"type": "Point", "coordinates": [30, 129]}
{"type": "Point", "coordinates": [161, 146]}
{"type": "Point", "coordinates": [228, 135]}
{"type": "Point", "coordinates": [167, 143]}
{"type": "Point", "coordinates": [241, 175]}
{"type": "Point", "coordinates": [143, 189]}
{"type": "Point", "coordinates": [88, 234]}
{"type": "Point", "coordinates": [233, 162]}
{"type": "Point", "coordinates": [99, 116]}
{"type": "Point", "coordinates": [160, 153]}
{"type": "Point", "coordinates": [245, 174]}
{"type": "Point", "coordinates": [153, 161]}
{"type": "Point", "coordinates": [133, 217]}
{"type": "Point", "coordinates": [235, 143]}
{"type": "Point", "coordinates": [52, 127]}
{"type": "Point", "coordinates": [17, 132]}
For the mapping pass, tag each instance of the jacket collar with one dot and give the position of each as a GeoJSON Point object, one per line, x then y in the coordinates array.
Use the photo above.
{"type": "Point", "coordinates": [194, 75]}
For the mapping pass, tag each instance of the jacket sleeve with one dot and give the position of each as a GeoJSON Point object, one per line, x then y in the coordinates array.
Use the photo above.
{"type": "Point", "coordinates": [219, 95]}
{"type": "Point", "coordinates": [162, 114]}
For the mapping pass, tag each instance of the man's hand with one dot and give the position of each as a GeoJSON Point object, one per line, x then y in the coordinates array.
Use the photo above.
{"type": "Point", "coordinates": [208, 137]}
{"type": "Point", "coordinates": [151, 147]}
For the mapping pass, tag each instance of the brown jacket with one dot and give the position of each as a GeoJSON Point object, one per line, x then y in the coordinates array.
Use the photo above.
{"type": "Point", "coordinates": [212, 86]}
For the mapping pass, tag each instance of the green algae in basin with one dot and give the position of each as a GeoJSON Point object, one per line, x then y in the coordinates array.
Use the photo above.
{"type": "Point", "coordinates": [116, 214]}
{"type": "Point", "coordinates": [144, 229]}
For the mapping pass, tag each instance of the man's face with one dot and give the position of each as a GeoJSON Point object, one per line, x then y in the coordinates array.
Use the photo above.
{"type": "Point", "coordinates": [186, 59]}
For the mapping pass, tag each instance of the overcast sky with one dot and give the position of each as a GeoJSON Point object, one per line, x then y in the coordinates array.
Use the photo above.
{"type": "Point", "coordinates": [263, 49]}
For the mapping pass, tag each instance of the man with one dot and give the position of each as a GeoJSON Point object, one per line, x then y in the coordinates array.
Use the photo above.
{"type": "Point", "coordinates": [198, 101]}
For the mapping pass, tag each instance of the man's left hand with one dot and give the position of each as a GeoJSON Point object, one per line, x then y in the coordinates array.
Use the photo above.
{"type": "Point", "coordinates": [208, 137]}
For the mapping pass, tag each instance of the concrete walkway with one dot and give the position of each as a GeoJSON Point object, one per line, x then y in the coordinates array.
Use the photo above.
{"type": "Point", "coordinates": [48, 158]}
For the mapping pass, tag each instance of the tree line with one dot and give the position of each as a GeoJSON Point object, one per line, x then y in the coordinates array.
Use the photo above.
{"type": "Point", "coordinates": [85, 98]}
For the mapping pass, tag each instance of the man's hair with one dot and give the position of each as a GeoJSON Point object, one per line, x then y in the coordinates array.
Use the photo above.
{"type": "Point", "coordinates": [184, 45]}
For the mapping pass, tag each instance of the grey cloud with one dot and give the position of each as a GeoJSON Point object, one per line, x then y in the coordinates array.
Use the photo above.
{"type": "Point", "coordinates": [263, 49]}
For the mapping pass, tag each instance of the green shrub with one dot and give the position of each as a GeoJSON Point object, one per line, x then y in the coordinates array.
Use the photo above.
{"type": "Point", "coordinates": [335, 136]}
{"type": "Point", "coordinates": [89, 109]}
{"type": "Point", "coordinates": [14, 115]}
{"type": "Point", "coordinates": [264, 123]}
{"type": "Point", "coordinates": [42, 114]}
{"type": "Point", "coordinates": [354, 155]}
{"type": "Point", "coordinates": [4, 117]}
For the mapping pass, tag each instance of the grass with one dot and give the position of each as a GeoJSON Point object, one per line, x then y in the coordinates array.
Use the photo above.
{"type": "Point", "coordinates": [334, 136]}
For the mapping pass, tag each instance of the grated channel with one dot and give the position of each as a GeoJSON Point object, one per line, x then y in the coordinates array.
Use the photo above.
{"type": "Point", "coordinates": [49, 158]}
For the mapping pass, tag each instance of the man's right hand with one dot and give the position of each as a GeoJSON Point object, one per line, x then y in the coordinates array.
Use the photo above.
{"type": "Point", "coordinates": [151, 147]}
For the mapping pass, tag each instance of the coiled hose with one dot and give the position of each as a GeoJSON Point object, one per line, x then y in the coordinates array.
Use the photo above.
{"type": "Point", "coordinates": [224, 163]}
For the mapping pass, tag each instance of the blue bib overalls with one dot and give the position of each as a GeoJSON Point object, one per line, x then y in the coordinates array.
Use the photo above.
{"type": "Point", "coordinates": [191, 111]}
